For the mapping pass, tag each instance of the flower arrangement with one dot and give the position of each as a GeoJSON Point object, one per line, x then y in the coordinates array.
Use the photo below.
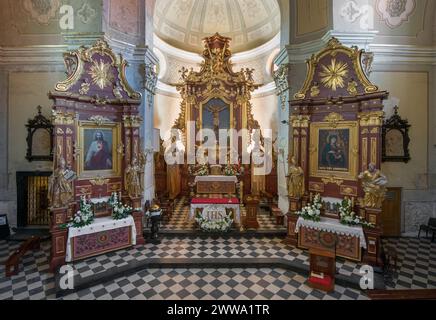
{"type": "Point", "coordinates": [349, 217]}
{"type": "Point", "coordinates": [203, 170]}
{"type": "Point", "coordinates": [83, 217]}
{"type": "Point", "coordinates": [220, 225]}
{"type": "Point", "coordinates": [119, 211]}
{"type": "Point", "coordinates": [230, 170]}
{"type": "Point", "coordinates": [312, 211]}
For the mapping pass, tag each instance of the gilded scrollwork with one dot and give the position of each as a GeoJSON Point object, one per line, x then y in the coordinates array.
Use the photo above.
{"type": "Point", "coordinates": [102, 72]}
{"type": "Point", "coordinates": [335, 74]}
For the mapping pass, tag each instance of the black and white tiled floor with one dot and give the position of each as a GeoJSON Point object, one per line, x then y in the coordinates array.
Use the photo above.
{"type": "Point", "coordinates": [416, 259]}
{"type": "Point", "coordinates": [212, 284]}
{"type": "Point", "coordinates": [416, 263]}
{"type": "Point", "coordinates": [180, 221]}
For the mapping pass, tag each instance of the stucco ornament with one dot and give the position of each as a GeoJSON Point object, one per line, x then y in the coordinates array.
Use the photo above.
{"type": "Point", "coordinates": [395, 12]}
{"type": "Point", "coordinates": [42, 11]}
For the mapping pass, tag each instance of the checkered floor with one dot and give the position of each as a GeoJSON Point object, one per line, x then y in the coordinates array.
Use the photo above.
{"type": "Point", "coordinates": [212, 284]}
{"type": "Point", "coordinates": [416, 262]}
{"type": "Point", "coordinates": [180, 219]}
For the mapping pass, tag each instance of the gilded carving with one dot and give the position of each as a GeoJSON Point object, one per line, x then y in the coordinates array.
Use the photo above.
{"type": "Point", "coordinates": [295, 180]}
{"type": "Point", "coordinates": [60, 191]}
{"type": "Point", "coordinates": [374, 185]}
{"type": "Point", "coordinates": [133, 179]}
{"type": "Point", "coordinates": [334, 75]}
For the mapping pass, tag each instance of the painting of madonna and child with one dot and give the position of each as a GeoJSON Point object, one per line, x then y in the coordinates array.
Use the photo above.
{"type": "Point", "coordinates": [334, 146]}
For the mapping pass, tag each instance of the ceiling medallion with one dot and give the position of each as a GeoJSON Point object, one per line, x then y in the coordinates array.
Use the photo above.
{"type": "Point", "coordinates": [332, 76]}
{"type": "Point", "coordinates": [395, 12]}
{"type": "Point", "coordinates": [101, 74]}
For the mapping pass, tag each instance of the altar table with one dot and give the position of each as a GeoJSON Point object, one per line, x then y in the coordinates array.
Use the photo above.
{"type": "Point", "coordinates": [349, 240]}
{"type": "Point", "coordinates": [216, 184]}
{"type": "Point", "coordinates": [102, 236]}
{"type": "Point", "coordinates": [228, 203]}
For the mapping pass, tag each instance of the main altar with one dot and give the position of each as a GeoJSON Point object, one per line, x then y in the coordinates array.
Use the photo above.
{"type": "Point", "coordinates": [336, 145]}
{"type": "Point", "coordinates": [215, 99]}
{"type": "Point", "coordinates": [98, 161]}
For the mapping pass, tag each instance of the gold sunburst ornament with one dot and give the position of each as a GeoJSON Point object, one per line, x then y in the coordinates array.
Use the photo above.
{"type": "Point", "coordinates": [101, 74]}
{"type": "Point", "coordinates": [333, 75]}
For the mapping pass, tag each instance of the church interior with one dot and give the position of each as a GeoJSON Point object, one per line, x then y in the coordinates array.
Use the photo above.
{"type": "Point", "coordinates": [218, 150]}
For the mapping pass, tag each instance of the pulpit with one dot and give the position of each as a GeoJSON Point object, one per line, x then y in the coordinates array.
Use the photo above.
{"type": "Point", "coordinates": [97, 142]}
{"type": "Point", "coordinates": [336, 126]}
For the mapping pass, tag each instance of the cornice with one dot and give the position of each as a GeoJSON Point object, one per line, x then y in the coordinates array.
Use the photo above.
{"type": "Point", "coordinates": [33, 55]}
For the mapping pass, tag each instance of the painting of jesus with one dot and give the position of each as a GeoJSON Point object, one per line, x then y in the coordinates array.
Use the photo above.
{"type": "Point", "coordinates": [98, 146]}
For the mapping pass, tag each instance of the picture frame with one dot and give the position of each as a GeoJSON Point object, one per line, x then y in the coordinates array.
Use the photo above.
{"type": "Point", "coordinates": [395, 139]}
{"type": "Point", "coordinates": [99, 156]}
{"type": "Point", "coordinates": [333, 150]}
{"type": "Point", "coordinates": [39, 139]}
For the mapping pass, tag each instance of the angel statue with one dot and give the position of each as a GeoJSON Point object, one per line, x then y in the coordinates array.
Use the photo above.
{"type": "Point", "coordinates": [374, 185]}
{"type": "Point", "coordinates": [133, 179]}
{"type": "Point", "coordinates": [295, 180]}
{"type": "Point", "coordinates": [60, 191]}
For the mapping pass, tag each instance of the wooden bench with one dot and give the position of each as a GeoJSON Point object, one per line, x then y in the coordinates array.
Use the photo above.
{"type": "Point", "coordinates": [277, 213]}
{"type": "Point", "coordinates": [12, 264]}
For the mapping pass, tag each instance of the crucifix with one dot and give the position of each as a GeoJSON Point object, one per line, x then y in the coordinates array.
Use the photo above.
{"type": "Point", "coordinates": [216, 110]}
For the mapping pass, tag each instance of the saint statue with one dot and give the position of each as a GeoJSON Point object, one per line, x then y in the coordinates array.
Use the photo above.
{"type": "Point", "coordinates": [374, 185]}
{"type": "Point", "coordinates": [133, 179]}
{"type": "Point", "coordinates": [60, 191]}
{"type": "Point", "coordinates": [295, 180]}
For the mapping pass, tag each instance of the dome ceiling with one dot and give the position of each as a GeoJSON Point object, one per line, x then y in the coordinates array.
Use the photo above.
{"type": "Point", "coordinates": [184, 23]}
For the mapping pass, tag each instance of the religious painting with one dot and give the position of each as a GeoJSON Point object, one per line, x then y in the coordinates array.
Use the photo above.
{"type": "Point", "coordinates": [333, 150]}
{"type": "Point", "coordinates": [334, 146]}
{"type": "Point", "coordinates": [98, 146]}
{"type": "Point", "coordinates": [39, 138]}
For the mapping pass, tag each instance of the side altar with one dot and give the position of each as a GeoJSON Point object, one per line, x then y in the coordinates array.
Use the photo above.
{"type": "Point", "coordinates": [336, 145]}
{"type": "Point", "coordinates": [97, 155]}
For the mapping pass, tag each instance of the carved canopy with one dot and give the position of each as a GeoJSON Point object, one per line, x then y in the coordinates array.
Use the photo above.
{"type": "Point", "coordinates": [97, 72]}
{"type": "Point", "coordinates": [336, 71]}
{"type": "Point", "coordinates": [216, 80]}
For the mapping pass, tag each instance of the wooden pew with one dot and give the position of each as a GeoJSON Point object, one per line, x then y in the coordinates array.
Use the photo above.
{"type": "Point", "coordinates": [12, 264]}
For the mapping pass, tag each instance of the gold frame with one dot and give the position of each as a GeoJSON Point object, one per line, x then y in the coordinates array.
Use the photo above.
{"type": "Point", "coordinates": [116, 157]}
{"type": "Point", "coordinates": [351, 174]}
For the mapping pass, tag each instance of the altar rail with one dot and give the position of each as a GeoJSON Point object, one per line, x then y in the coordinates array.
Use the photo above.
{"type": "Point", "coordinates": [424, 294]}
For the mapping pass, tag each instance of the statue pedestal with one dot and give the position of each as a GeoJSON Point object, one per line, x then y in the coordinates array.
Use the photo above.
{"type": "Point", "coordinates": [372, 254]}
{"type": "Point", "coordinates": [252, 204]}
{"type": "Point", "coordinates": [58, 238]}
{"type": "Point", "coordinates": [292, 218]}
{"type": "Point", "coordinates": [138, 216]}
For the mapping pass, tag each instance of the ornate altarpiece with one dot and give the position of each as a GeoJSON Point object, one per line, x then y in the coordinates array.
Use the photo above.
{"type": "Point", "coordinates": [94, 103]}
{"type": "Point", "coordinates": [337, 120]}
{"type": "Point", "coordinates": [215, 98]}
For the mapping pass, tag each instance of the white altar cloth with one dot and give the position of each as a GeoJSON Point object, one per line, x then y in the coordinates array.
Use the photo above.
{"type": "Point", "coordinates": [216, 179]}
{"type": "Point", "coordinates": [333, 226]}
{"type": "Point", "coordinates": [235, 207]}
{"type": "Point", "coordinates": [99, 225]}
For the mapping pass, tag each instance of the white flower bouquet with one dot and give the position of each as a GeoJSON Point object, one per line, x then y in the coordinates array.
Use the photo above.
{"type": "Point", "coordinates": [119, 211]}
{"type": "Point", "coordinates": [220, 225]}
{"type": "Point", "coordinates": [312, 211]}
{"type": "Point", "coordinates": [349, 217]}
{"type": "Point", "coordinates": [83, 217]}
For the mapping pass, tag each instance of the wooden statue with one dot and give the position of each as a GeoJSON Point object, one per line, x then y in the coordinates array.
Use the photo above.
{"type": "Point", "coordinates": [60, 191]}
{"type": "Point", "coordinates": [374, 185]}
{"type": "Point", "coordinates": [295, 180]}
{"type": "Point", "coordinates": [133, 179]}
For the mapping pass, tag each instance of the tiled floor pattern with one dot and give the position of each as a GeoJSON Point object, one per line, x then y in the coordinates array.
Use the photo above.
{"type": "Point", "coordinates": [180, 219]}
{"type": "Point", "coordinates": [416, 260]}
